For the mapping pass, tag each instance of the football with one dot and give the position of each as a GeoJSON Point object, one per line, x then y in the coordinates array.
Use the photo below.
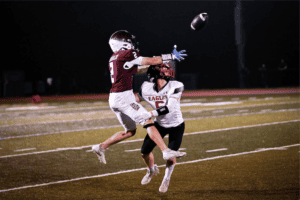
{"type": "Point", "coordinates": [199, 22]}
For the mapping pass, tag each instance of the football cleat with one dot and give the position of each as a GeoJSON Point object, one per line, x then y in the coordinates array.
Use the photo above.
{"type": "Point", "coordinates": [170, 154]}
{"type": "Point", "coordinates": [164, 185]}
{"type": "Point", "coordinates": [147, 178]}
{"type": "Point", "coordinates": [100, 152]}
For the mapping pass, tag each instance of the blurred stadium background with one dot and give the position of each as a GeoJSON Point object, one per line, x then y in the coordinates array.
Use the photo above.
{"type": "Point", "coordinates": [56, 48]}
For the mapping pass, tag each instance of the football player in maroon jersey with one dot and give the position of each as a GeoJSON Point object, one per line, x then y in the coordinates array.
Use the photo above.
{"type": "Point", "coordinates": [125, 62]}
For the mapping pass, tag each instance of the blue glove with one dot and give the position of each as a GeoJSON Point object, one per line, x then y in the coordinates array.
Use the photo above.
{"type": "Point", "coordinates": [178, 55]}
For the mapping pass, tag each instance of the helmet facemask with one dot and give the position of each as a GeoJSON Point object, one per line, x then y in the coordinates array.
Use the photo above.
{"type": "Point", "coordinates": [163, 71]}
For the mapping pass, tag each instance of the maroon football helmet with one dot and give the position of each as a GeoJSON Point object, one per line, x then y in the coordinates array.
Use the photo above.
{"type": "Point", "coordinates": [122, 39]}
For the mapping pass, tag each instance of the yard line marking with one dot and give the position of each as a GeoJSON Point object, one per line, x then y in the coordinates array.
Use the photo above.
{"type": "Point", "coordinates": [245, 110]}
{"type": "Point", "coordinates": [28, 149]}
{"type": "Point", "coordinates": [132, 150]}
{"type": "Point", "coordinates": [236, 115]}
{"type": "Point", "coordinates": [30, 107]}
{"type": "Point", "coordinates": [266, 110]}
{"type": "Point", "coordinates": [215, 150]}
{"type": "Point", "coordinates": [210, 104]}
{"type": "Point", "coordinates": [58, 132]}
{"type": "Point", "coordinates": [49, 122]}
{"type": "Point", "coordinates": [140, 149]}
{"type": "Point", "coordinates": [276, 148]}
{"type": "Point", "coordinates": [144, 168]}
{"type": "Point", "coordinates": [218, 111]}
{"type": "Point", "coordinates": [239, 127]}
{"type": "Point", "coordinates": [138, 140]}
{"type": "Point", "coordinates": [269, 98]}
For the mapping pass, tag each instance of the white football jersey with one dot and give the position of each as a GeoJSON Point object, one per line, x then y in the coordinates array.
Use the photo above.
{"type": "Point", "coordinates": [160, 98]}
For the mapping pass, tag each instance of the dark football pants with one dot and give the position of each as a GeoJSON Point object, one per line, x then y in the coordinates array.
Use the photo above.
{"type": "Point", "coordinates": [175, 138]}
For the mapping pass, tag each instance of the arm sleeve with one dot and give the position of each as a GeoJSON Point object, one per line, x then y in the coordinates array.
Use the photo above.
{"type": "Point", "coordinates": [134, 62]}
{"type": "Point", "coordinates": [173, 104]}
{"type": "Point", "coordinates": [174, 100]}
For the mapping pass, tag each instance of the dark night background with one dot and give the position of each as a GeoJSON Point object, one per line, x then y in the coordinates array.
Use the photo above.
{"type": "Point", "coordinates": [69, 41]}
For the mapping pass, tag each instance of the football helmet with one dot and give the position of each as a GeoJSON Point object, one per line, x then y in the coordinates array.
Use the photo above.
{"type": "Point", "coordinates": [162, 71]}
{"type": "Point", "coordinates": [122, 40]}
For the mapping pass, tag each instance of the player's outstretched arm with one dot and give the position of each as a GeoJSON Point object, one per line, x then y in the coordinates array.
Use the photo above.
{"type": "Point", "coordinates": [164, 57]}
{"type": "Point", "coordinates": [142, 69]}
{"type": "Point", "coordinates": [156, 60]}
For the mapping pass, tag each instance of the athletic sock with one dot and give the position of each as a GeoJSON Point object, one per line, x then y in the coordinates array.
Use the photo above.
{"type": "Point", "coordinates": [152, 169]}
{"type": "Point", "coordinates": [168, 171]}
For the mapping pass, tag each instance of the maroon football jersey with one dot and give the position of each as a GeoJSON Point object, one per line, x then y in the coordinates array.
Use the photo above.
{"type": "Point", "coordinates": [121, 78]}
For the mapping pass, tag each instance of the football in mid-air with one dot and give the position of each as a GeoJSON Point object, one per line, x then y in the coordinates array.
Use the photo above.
{"type": "Point", "coordinates": [199, 22]}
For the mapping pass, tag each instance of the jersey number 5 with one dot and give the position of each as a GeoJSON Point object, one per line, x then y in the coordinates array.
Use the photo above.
{"type": "Point", "coordinates": [112, 72]}
{"type": "Point", "coordinates": [158, 102]}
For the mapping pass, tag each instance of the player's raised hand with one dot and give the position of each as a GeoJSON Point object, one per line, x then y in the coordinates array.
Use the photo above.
{"type": "Point", "coordinates": [178, 55]}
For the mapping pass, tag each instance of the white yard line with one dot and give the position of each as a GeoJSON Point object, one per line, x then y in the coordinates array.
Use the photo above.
{"type": "Point", "coordinates": [28, 149]}
{"type": "Point", "coordinates": [218, 111]}
{"type": "Point", "coordinates": [189, 104]}
{"type": "Point", "coordinates": [210, 104]}
{"type": "Point", "coordinates": [31, 107]}
{"type": "Point", "coordinates": [138, 140]}
{"type": "Point", "coordinates": [103, 127]}
{"type": "Point", "coordinates": [140, 169]}
{"type": "Point", "coordinates": [132, 150]}
{"type": "Point", "coordinates": [215, 150]}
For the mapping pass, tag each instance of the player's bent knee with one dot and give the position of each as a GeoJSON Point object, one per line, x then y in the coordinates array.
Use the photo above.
{"type": "Point", "coordinates": [145, 155]}
{"type": "Point", "coordinates": [132, 132]}
{"type": "Point", "coordinates": [148, 123]}
{"type": "Point", "coordinates": [172, 161]}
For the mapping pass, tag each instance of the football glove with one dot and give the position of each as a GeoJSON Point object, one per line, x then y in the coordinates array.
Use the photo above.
{"type": "Point", "coordinates": [178, 55]}
{"type": "Point", "coordinates": [174, 55]}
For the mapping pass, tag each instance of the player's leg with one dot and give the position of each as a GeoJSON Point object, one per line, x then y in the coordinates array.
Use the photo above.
{"type": "Point", "coordinates": [175, 139]}
{"type": "Point", "coordinates": [148, 158]}
{"type": "Point", "coordinates": [130, 130]}
{"type": "Point", "coordinates": [156, 137]}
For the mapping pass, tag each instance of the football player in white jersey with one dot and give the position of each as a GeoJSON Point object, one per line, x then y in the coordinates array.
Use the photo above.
{"type": "Point", "coordinates": [163, 94]}
{"type": "Point", "coordinates": [125, 62]}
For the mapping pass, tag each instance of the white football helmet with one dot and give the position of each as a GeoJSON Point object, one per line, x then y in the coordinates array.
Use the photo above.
{"type": "Point", "coordinates": [122, 40]}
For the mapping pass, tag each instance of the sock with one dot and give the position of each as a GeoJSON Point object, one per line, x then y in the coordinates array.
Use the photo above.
{"type": "Point", "coordinates": [168, 171]}
{"type": "Point", "coordinates": [151, 168]}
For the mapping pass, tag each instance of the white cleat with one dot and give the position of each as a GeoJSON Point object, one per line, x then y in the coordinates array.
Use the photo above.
{"type": "Point", "coordinates": [164, 185]}
{"type": "Point", "coordinates": [100, 152]}
{"type": "Point", "coordinates": [147, 178]}
{"type": "Point", "coordinates": [170, 154]}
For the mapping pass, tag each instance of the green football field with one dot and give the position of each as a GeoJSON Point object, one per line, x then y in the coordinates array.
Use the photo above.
{"type": "Point", "coordinates": [238, 147]}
